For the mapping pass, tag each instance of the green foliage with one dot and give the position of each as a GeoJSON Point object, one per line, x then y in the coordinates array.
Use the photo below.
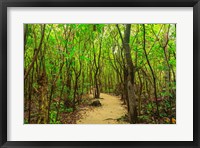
{"type": "Point", "coordinates": [69, 110]}
{"type": "Point", "coordinates": [25, 121]}
{"type": "Point", "coordinates": [53, 118]}
{"type": "Point", "coordinates": [75, 58]}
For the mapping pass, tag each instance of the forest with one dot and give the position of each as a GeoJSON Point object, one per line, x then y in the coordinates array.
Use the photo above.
{"type": "Point", "coordinates": [99, 73]}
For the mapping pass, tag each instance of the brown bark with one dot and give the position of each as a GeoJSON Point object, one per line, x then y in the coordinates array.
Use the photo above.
{"type": "Point", "coordinates": [152, 72]}
{"type": "Point", "coordinates": [36, 54]}
{"type": "Point", "coordinates": [130, 78]}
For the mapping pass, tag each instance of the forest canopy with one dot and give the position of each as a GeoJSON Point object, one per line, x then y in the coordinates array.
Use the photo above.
{"type": "Point", "coordinates": [74, 70]}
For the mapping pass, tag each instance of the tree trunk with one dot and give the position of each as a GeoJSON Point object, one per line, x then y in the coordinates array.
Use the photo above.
{"type": "Point", "coordinates": [130, 79]}
{"type": "Point", "coordinates": [152, 72]}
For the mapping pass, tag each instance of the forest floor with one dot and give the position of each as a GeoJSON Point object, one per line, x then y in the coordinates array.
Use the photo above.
{"type": "Point", "coordinates": [112, 111]}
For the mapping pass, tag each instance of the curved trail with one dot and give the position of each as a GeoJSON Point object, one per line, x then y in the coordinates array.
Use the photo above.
{"type": "Point", "coordinates": [111, 110]}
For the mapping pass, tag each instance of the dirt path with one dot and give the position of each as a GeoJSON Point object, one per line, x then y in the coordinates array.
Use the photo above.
{"type": "Point", "coordinates": [111, 112]}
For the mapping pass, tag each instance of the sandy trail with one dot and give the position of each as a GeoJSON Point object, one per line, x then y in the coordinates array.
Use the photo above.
{"type": "Point", "coordinates": [111, 110]}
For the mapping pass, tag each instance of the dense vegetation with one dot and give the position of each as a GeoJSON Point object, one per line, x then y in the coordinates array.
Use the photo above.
{"type": "Point", "coordinates": [66, 62]}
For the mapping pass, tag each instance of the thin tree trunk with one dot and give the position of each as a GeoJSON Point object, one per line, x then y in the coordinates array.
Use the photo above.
{"type": "Point", "coordinates": [152, 72]}
{"type": "Point", "coordinates": [36, 54]}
